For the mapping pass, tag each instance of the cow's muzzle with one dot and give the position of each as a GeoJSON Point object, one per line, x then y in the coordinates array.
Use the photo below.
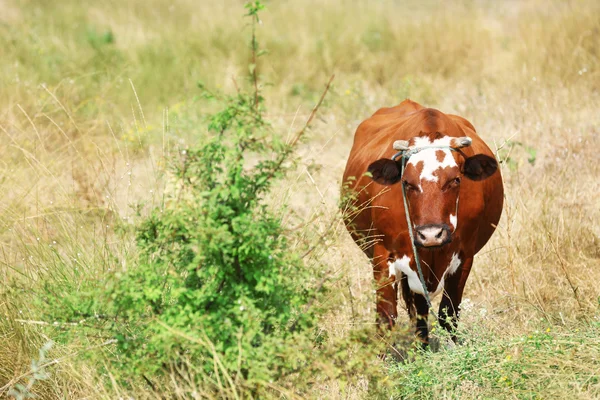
{"type": "Point", "coordinates": [432, 235]}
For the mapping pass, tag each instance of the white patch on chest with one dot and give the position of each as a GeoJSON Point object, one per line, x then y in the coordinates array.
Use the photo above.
{"type": "Point", "coordinates": [402, 265]}
{"type": "Point", "coordinates": [429, 157]}
{"type": "Point", "coordinates": [451, 269]}
{"type": "Point", "coordinates": [454, 264]}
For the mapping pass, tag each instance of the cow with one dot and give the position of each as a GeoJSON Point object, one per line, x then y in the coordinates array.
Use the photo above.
{"type": "Point", "coordinates": [434, 165]}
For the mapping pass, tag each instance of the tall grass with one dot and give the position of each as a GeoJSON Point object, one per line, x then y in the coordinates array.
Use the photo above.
{"type": "Point", "coordinates": [83, 112]}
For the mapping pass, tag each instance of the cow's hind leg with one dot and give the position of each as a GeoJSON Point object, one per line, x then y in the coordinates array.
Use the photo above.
{"type": "Point", "coordinates": [386, 290]}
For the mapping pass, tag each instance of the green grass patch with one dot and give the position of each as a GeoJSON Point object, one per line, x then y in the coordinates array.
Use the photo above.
{"type": "Point", "coordinates": [554, 363]}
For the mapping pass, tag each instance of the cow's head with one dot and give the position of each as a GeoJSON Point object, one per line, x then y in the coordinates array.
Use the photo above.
{"type": "Point", "coordinates": [435, 168]}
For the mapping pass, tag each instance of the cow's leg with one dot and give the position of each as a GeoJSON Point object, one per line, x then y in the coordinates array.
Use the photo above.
{"type": "Point", "coordinates": [453, 292]}
{"type": "Point", "coordinates": [422, 309]}
{"type": "Point", "coordinates": [418, 310]}
{"type": "Point", "coordinates": [408, 297]}
{"type": "Point", "coordinates": [386, 290]}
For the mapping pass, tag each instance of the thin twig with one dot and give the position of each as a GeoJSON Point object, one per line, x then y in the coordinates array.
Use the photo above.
{"type": "Point", "coordinates": [313, 113]}
{"type": "Point", "coordinates": [302, 225]}
{"type": "Point", "coordinates": [139, 104]}
{"type": "Point", "coordinates": [255, 66]}
{"type": "Point", "coordinates": [291, 146]}
{"type": "Point", "coordinates": [29, 322]}
{"type": "Point", "coordinates": [237, 88]}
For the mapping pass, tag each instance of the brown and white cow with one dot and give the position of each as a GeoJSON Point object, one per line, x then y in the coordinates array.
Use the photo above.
{"type": "Point", "coordinates": [454, 194]}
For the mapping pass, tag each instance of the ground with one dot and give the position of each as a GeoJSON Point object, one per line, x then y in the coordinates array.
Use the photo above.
{"type": "Point", "coordinates": [97, 98]}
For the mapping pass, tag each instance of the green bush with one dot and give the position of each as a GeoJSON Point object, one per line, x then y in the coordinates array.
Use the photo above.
{"type": "Point", "coordinates": [214, 263]}
{"type": "Point", "coordinates": [216, 283]}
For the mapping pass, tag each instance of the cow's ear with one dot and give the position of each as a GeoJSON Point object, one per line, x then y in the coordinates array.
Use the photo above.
{"type": "Point", "coordinates": [479, 167]}
{"type": "Point", "coordinates": [385, 171]}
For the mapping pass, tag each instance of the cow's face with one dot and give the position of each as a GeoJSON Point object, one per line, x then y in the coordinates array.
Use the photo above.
{"type": "Point", "coordinates": [432, 180]}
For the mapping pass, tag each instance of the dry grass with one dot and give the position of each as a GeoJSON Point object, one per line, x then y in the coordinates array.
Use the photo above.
{"type": "Point", "coordinates": [81, 147]}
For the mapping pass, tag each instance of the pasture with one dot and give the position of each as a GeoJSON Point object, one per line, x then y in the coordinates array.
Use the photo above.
{"type": "Point", "coordinates": [99, 100]}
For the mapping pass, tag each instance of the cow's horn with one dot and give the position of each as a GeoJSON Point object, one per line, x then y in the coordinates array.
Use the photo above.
{"type": "Point", "coordinates": [401, 145]}
{"type": "Point", "coordinates": [462, 142]}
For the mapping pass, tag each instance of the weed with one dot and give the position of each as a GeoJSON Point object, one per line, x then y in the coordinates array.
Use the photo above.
{"type": "Point", "coordinates": [38, 372]}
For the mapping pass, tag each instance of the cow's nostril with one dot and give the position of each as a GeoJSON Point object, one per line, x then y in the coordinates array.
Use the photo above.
{"type": "Point", "coordinates": [431, 235]}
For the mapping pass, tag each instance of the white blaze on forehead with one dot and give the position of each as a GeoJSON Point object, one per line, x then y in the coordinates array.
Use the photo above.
{"type": "Point", "coordinates": [429, 156]}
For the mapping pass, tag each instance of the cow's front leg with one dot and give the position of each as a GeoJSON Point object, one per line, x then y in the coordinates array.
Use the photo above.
{"type": "Point", "coordinates": [422, 309]}
{"type": "Point", "coordinates": [453, 292]}
{"type": "Point", "coordinates": [408, 297]}
{"type": "Point", "coordinates": [386, 290]}
{"type": "Point", "coordinates": [418, 310]}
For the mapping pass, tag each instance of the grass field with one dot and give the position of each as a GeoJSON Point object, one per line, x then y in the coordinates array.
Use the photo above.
{"type": "Point", "coordinates": [97, 97]}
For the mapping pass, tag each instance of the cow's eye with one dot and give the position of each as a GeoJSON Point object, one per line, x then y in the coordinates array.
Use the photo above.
{"type": "Point", "coordinates": [408, 186]}
{"type": "Point", "coordinates": [453, 183]}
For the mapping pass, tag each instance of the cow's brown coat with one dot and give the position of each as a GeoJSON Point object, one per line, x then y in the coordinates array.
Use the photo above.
{"type": "Point", "coordinates": [384, 220]}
